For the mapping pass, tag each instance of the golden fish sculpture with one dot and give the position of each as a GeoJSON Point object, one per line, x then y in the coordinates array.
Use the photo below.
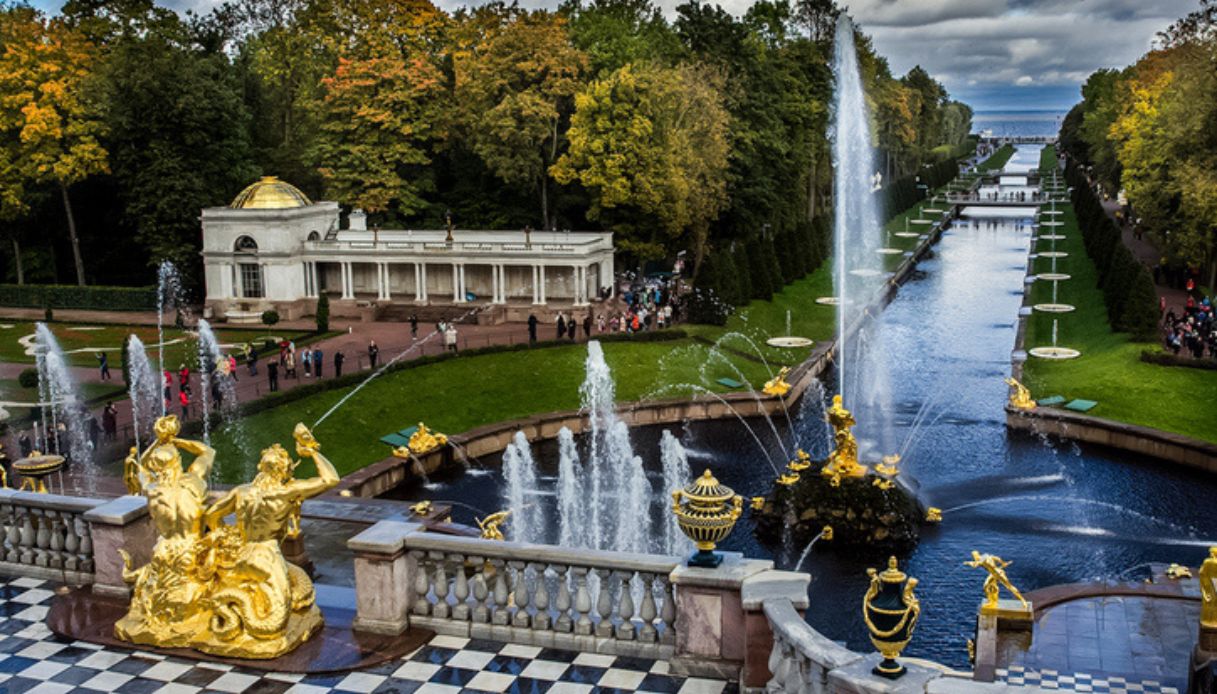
{"type": "Point", "coordinates": [218, 588]}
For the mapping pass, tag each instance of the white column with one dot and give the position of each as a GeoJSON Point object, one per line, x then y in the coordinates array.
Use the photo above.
{"type": "Point", "coordinates": [541, 284]}
{"type": "Point", "coordinates": [536, 290]}
{"type": "Point", "coordinates": [456, 285]}
{"type": "Point", "coordinates": [578, 273]}
{"type": "Point", "coordinates": [494, 285]}
{"type": "Point", "coordinates": [348, 281]}
{"type": "Point", "coordinates": [422, 268]}
{"type": "Point", "coordinates": [464, 290]}
{"type": "Point", "coordinates": [380, 281]}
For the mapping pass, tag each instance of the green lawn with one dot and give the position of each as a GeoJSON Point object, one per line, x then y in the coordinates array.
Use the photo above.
{"type": "Point", "coordinates": [11, 390]}
{"type": "Point", "coordinates": [82, 341]}
{"type": "Point", "coordinates": [1110, 371]}
{"type": "Point", "coordinates": [1047, 159]}
{"type": "Point", "coordinates": [998, 159]}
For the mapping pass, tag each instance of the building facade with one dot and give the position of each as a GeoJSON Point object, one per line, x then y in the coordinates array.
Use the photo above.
{"type": "Point", "coordinates": [273, 248]}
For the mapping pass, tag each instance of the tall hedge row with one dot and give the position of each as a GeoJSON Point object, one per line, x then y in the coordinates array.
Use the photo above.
{"type": "Point", "coordinates": [72, 296]}
{"type": "Point", "coordinates": [1128, 286]}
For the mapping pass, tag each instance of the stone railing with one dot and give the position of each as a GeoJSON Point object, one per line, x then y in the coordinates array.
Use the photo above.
{"type": "Point", "coordinates": [801, 657]}
{"type": "Point", "coordinates": [46, 536]}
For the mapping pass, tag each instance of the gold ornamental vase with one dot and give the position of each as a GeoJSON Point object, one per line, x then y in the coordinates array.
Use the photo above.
{"type": "Point", "coordinates": [706, 511]}
{"type": "Point", "coordinates": [891, 610]}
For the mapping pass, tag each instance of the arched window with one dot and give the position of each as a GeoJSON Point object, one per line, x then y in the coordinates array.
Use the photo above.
{"type": "Point", "coordinates": [245, 244]}
{"type": "Point", "coordinates": [314, 236]}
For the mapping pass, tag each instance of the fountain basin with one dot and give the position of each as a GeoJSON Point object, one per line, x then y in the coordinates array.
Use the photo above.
{"type": "Point", "coordinates": [1053, 254]}
{"type": "Point", "coordinates": [888, 251]}
{"type": "Point", "coordinates": [239, 317]}
{"type": "Point", "coordinates": [35, 469]}
{"type": "Point", "coordinates": [790, 341]}
{"type": "Point", "coordinates": [1051, 223]}
{"type": "Point", "coordinates": [1055, 308]}
{"type": "Point", "coordinates": [1050, 237]}
{"type": "Point", "coordinates": [1057, 353]}
{"type": "Point", "coordinates": [1053, 276]}
{"type": "Point", "coordinates": [828, 301]}
{"type": "Point", "coordinates": [907, 234]}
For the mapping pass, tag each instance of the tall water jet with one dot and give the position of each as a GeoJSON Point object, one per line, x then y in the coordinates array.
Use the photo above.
{"type": "Point", "coordinates": [597, 394]}
{"type": "Point", "coordinates": [68, 417]}
{"type": "Point", "coordinates": [220, 395]}
{"type": "Point", "coordinates": [147, 397]}
{"type": "Point", "coordinates": [856, 223]}
{"type": "Point", "coordinates": [520, 476]}
{"type": "Point", "coordinates": [570, 491]}
{"type": "Point", "coordinates": [168, 295]}
{"type": "Point", "coordinates": [676, 475]}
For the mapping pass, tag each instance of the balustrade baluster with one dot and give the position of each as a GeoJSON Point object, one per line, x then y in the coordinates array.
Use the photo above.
{"type": "Point", "coordinates": [86, 546]}
{"type": "Point", "coordinates": [583, 603]}
{"type": "Point", "coordinates": [441, 609]}
{"type": "Point", "coordinates": [481, 612]}
{"type": "Point", "coordinates": [460, 590]}
{"type": "Point", "coordinates": [540, 598]}
{"type": "Point", "coordinates": [646, 632]}
{"type": "Point", "coordinates": [563, 623]}
{"type": "Point", "coordinates": [41, 536]}
{"type": "Point", "coordinates": [777, 663]}
{"type": "Point", "coordinates": [422, 584]}
{"type": "Point", "coordinates": [12, 534]}
{"type": "Point", "coordinates": [500, 616]}
{"type": "Point", "coordinates": [625, 607]}
{"type": "Point", "coordinates": [520, 594]}
{"type": "Point", "coordinates": [604, 603]}
{"type": "Point", "coordinates": [71, 543]}
{"type": "Point", "coordinates": [667, 613]}
{"type": "Point", "coordinates": [55, 558]}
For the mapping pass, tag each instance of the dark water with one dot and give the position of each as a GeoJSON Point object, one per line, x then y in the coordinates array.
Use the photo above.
{"type": "Point", "coordinates": [1018, 123]}
{"type": "Point", "coordinates": [1061, 512]}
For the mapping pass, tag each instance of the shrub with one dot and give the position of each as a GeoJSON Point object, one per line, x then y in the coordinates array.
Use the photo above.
{"type": "Point", "coordinates": [705, 307]}
{"type": "Point", "coordinates": [28, 378]}
{"type": "Point", "coordinates": [323, 313]}
{"type": "Point", "coordinates": [269, 318]}
{"type": "Point", "coordinates": [71, 296]}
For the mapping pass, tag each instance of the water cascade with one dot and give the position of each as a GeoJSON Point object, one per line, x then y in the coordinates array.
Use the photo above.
{"type": "Point", "coordinates": [520, 475]}
{"type": "Point", "coordinates": [147, 399]}
{"type": "Point", "coordinates": [856, 216]}
{"type": "Point", "coordinates": [570, 487]}
{"type": "Point", "coordinates": [62, 405]}
{"type": "Point", "coordinates": [676, 475]}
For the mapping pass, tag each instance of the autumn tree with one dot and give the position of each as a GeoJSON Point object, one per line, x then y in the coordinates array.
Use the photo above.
{"type": "Point", "coordinates": [48, 104]}
{"type": "Point", "coordinates": [515, 87]}
{"type": "Point", "coordinates": [651, 144]}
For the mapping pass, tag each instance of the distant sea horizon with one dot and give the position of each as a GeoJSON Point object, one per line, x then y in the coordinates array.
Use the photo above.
{"type": "Point", "coordinates": [1019, 122]}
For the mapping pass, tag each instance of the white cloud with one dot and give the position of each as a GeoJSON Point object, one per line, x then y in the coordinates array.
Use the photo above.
{"type": "Point", "coordinates": [1024, 81]}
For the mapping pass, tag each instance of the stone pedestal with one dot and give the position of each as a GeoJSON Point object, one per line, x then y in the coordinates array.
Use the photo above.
{"type": "Point", "coordinates": [758, 634]}
{"type": "Point", "coordinates": [124, 524]}
{"type": "Point", "coordinates": [710, 620]}
{"type": "Point", "coordinates": [1010, 614]}
{"type": "Point", "coordinates": [383, 580]}
{"type": "Point", "coordinates": [293, 551]}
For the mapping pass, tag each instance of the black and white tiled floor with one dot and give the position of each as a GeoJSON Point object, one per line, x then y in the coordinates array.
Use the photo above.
{"type": "Point", "coordinates": [1080, 682]}
{"type": "Point", "coordinates": [34, 660]}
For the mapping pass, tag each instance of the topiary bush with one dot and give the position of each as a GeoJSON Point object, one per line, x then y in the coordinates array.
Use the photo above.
{"type": "Point", "coordinates": [28, 378]}
{"type": "Point", "coordinates": [323, 313]}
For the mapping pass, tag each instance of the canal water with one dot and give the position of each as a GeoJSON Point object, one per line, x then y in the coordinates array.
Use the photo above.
{"type": "Point", "coordinates": [1060, 512]}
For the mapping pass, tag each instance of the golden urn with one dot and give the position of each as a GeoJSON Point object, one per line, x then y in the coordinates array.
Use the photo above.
{"type": "Point", "coordinates": [891, 611]}
{"type": "Point", "coordinates": [706, 511]}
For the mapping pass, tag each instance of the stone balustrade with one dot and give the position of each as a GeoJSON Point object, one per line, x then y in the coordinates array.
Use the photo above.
{"type": "Point", "coordinates": [46, 536]}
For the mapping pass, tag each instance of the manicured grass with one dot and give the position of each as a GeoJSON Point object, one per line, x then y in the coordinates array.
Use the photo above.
{"type": "Point", "coordinates": [1110, 371]}
{"type": "Point", "coordinates": [82, 341]}
{"type": "Point", "coordinates": [11, 390]}
{"type": "Point", "coordinates": [998, 159]}
{"type": "Point", "coordinates": [1047, 159]}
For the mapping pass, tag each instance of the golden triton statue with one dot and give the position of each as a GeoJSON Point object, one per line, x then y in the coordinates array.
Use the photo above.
{"type": "Point", "coordinates": [996, 579]}
{"type": "Point", "coordinates": [933, 514]}
{"type": "Point", "coordinates": [423, 440]}
{"type": "Point", "coordinates": [221, 589]}
{"type": "Point", "coordinates": [777, 386]}
{"type": "Point", "coordinates": [1021, 397]}
{"type": "Point", "coordinates": [490, 525]}
{"type": "Point", "coordinates": [1208, 590]}
{"type": "Point", "coordinates": [843, 461]}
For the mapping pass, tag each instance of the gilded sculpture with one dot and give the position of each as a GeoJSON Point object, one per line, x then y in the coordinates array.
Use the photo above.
{"type": "Point", "coordinates": [777, 386]}
{"type": "Point", "coordinates": [890, 609]}
{"type": "Point", "coordinates": [490, 525]}
{"type": "Point", "coordinates": [996, 567]}
{"type": "Point", "coordinates": [706, 511]}
{"type": "Point", "coordinates": [1021, 397]}
{"type": "Point", "coordinates": [218, 588]}
{"type": "Point", "coordinates": [1208, 590]}
{"type": "Point", "coordinates": [423, 440]}
{"type": "Point", "coordinates": [843, 461]}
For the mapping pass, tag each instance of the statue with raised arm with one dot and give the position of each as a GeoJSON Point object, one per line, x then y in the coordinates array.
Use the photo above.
{"type": "Point", "coordinates": [1208, 590]}
{"type": "Point", "coordinates": [261, 605]}
{"type": "Point", "coordinates": [1021, 397]}
{"type": "Point", "coordinates": [843, 461]}
{"type": "Point", "coordinates": [168, 605]}
{"type": "Point", "coordinates": [996, 567]}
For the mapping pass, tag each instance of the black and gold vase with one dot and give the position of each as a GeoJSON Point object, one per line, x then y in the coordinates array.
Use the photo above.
{"type": "Point", "coordinates": [891, 611]}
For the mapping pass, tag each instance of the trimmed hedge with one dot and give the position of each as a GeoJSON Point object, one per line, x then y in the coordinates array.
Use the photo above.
{"type": "Point", "coordinates": [1167, 359]}
{"type": "Point", "coordinates": [71, 296]}
{"type": "Point", "coordinates": [1128, 287]}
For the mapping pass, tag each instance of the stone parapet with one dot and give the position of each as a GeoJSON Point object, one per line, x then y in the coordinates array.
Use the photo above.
{"type": "Point", "coordinates": [121, 523]}
{"type": "Point", "coordinates": [383, 578]}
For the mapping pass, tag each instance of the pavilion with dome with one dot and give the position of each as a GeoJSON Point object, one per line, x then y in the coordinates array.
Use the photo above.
{"type": "Point", "coordinates": [274, 248]}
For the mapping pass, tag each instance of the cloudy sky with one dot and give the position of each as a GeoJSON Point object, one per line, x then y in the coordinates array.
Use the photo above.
{"type": "Point", "coordinates": [993, 54]}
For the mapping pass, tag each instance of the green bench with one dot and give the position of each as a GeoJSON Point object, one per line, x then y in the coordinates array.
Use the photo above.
{"type": "Point", "coordinates": [399, 438]}
{"type": "Point", "coordinates": [730, 383]}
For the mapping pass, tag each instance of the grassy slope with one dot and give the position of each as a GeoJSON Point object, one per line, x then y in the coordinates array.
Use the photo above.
{"type": "Point", "coordinates": [1110, 371]}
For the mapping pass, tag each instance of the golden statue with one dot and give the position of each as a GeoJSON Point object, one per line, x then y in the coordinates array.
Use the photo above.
{"type": "Point", "coordinates": [221, 589]}
{"type": "Point", "coordinates": [1021, 397]}
{"type": "Point", "coordinates": [777, 386]}
{"type": "Point", "coordinates": [889, 466]}
{"type": "Point", "coordinates": [422, 508]}
{"type": "Point", "coordinates": [757, 503]}
{"type": "Point", "coordinates": [996, 579]}
{"type": "Point", "coordinates": [1208, 590]}
{"type": "Point", "coordinates": [1176, 572]}
{"type": "Point", "coordinates": [490, 525]}
{"type": "Point", "coordinates": [843, 461]}
{"type": "Point", "coordinates": [826, 533]}
{"type": "Point", "coordinates": [423, 440]}
{"type": "Point", "coordinates": [883, 484]}
{"type": "Point", "coordinates": [933, 514]}
{"type": "Point", "coordinates": [788, 479]}
{"type": "Point", "coordinates": [801, 462]}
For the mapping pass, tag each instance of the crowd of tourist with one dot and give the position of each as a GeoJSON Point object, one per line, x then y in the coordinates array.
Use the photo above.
{"type": "Point", "coordinates": [1192, 331]}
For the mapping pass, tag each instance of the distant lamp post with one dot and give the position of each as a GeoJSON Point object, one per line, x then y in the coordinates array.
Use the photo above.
{"type": "Point", "coordinates": [448, 217]}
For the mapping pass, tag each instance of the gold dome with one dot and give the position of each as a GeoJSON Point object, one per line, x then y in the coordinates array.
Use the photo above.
{"type": "Point", "coordinates": [269, 193]}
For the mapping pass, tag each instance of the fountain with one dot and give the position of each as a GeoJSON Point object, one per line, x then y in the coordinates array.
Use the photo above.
{"type": "Point", "coordinates": [169, 294]}
{"type": "Point", "coordinates": [220, 395]}
{"type": "Point", "coordinates": [520, 475]}
{"type": "Point", "coordinates": [65, 419]}
{"type": "Point", "coordinates": [145, 390]}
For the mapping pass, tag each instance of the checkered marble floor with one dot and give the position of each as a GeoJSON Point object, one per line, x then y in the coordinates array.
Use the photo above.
{"type": "Point", "coordinates": [34, 660]}
{"type": "Point", "coordinates": [1080, 682]}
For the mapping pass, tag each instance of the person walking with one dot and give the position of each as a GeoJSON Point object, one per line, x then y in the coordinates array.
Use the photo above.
{"type": "Point", "coordinates": [339, 357]}
{"type": "Point", "coordinates": [307, 360]}
{"type": "Point", "coordinates": [183, 398]}
{"type": "Point", "coordinates": [413, 326]}
{"type": "Point", "coordinates": [183, 378]}
{"type": "Point", "coordinates": [168, 387]}
{"type": "Point", "coordinates": [561, 326]}
{"type": "Point", "coordinates": [373, 353]}
{"type": "Point", "coordinates": [272, 375]}
{"type": "Point", "coordinates": [232, 368]}
{"type": "Point", "coordinates": [109, 421]}
{"type": "Point", "coordinates": [450, 338]}
{"type": "Point", "coordinates": [587, 325]}
{"type": "Point", "coordinates": [532, 329]}
{"type": "Point", "coordinates": [318, 362]}
{"type": "Point", "coordinates": [103, 363]}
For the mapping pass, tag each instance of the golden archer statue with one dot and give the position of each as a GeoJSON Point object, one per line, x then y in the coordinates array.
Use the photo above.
{"type": "Point", "coordinates": [224, 590]}
{"type": "Point", "coordinates": [843, 461]}
{"type": "Point", "coordinates": [1208, 590]}
{"type": "Point", "coordinates": [996, 579]}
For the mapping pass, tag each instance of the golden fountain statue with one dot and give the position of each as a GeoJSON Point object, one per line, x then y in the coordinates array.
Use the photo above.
{"type": "Point", "coordinates": [1208, 592]}
{"type": "Point", "coordinates": [707, 516]}
{"type": "Point", "coordinates": [890, 465]}
{"type": "Point", "coordinates": [996, 567]}
{"type": "Point", "coordinates": [843, 461]}
{"type": "Point", "coordinates": [1021, 397]}
{"type": "Point", "coordinates": [801, 462]}
{"type": "Point", "coordinates": [490, 525]}
{"type": "Point", "coordinates": [933, 514]}
{"type": "Point", "coordinates": [777, 386]}
{"type": "Point", "coordinates": [221, 589]}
